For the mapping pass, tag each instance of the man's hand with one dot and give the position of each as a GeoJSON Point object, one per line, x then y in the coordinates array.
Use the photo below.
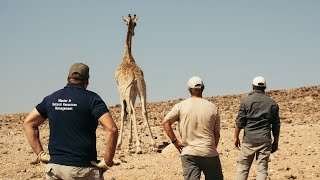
{"type": "Point", "coordinates": [42, 157]}
{"type": "Point", "coordinates": [102, 164]}
{"type": "Point", "coordinates": [274, 147]}
{"type": "Point", "coordinates": [179, 145]}
{"type": "Point", "coordinates": [236, 142]}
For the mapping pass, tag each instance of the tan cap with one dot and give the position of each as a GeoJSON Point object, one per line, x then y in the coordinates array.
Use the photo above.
{"type": "Point", "coordinates": [81, 69]}
{"type": "Point", "coordinates": [195, 83]}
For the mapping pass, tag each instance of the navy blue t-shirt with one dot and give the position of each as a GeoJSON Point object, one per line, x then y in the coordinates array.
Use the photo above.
{"type": "Point", "coordinates": [73, 114]}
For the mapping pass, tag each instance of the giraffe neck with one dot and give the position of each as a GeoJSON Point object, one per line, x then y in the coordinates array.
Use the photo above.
{"type": "Point", "coordinates": [127, 53]}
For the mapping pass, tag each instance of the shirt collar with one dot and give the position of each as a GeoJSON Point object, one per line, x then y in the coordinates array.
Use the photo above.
{"type": "Point", "coordinates": [256, 91]}
{"type": "Point", "coordinates": [70, 85]}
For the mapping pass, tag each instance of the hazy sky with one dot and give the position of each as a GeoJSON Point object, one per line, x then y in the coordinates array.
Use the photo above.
{"type": "Point", "coordinates": [227, 43]}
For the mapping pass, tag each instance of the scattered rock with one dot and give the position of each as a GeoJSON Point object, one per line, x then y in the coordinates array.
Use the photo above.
{"type": "Point", "coordinates": [290, 177]}
{"type": "Point", "coordinates": [170, 151]}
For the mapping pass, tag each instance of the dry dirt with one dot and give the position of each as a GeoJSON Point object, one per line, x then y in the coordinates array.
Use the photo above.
{"type": "Point", "coordinates": [298, 156]}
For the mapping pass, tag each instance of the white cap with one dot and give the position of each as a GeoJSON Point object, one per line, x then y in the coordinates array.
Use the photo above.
{"type": "Point", "coordinates": [195, 82]}
{"type": "Point", "coordinates": [259, 81]}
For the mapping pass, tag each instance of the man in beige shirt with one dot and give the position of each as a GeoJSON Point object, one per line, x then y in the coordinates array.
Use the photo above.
{"type": "Point", "coordinates": [199, 128]}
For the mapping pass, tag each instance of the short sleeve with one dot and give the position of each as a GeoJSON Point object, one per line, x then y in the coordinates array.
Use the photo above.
{"type": "Point", "coordinates": [173, 115]}
{"type": "Point", "coordinates": [217, 122]}
{"type": "Point", "coordinates": [99, 108]}
{"type": "Point", "coordinates": [41, 108]}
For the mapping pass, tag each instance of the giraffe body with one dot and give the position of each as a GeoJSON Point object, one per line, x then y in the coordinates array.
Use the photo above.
{"type": "Point", "coordinates": [131, 83]}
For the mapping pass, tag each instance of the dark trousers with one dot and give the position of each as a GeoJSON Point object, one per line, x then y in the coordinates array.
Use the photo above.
{"type": "Point", "coordinates": [193, 165]}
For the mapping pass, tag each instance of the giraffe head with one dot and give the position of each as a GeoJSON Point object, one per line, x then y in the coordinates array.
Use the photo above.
{"type": "Point", "coordinates": [131, 23]}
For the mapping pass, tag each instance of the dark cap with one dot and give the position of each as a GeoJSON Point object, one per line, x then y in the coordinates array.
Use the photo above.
{"type": "Point", "coordinates": [81, 69]}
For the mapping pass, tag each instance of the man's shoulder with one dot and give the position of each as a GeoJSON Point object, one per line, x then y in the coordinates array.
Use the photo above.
{"type": "Point", "coordinates": [55, 93]}
{"type": "Point", "coordinates": [201, 102]}
{"type": "Point", "coordinates": [209, 103]}
{"type": "Point", "coordinates": [92, 93]}
{"type": "Point", "coordinates": [255, 95]}
{"type": "Point", "coordinates": [65, 91]}
{"type": "Point", "coordinates": [191, 99]}
{"type": "Point", "coordinates": [269, 98]}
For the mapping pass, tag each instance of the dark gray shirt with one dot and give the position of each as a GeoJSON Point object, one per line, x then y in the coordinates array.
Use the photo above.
{"type": "Point", "coordinates": [258, 115]}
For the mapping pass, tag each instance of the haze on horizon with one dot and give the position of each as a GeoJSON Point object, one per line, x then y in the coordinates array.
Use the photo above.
{"type": "Point", "coordinates": [226, 43]}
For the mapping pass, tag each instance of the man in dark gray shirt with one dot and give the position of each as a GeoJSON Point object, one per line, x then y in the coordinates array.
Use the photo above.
{"type": "Point", "coordinates": [258, 115]}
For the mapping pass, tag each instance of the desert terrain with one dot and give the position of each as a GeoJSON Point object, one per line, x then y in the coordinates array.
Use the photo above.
{"type": "Point", "coordinates": [298, 156]}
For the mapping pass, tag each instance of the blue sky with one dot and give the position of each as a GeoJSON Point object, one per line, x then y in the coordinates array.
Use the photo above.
{"type": "Point", "coordinates": [227, 43]}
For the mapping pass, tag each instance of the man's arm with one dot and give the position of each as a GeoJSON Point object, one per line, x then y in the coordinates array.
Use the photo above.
{"type": "Point", "coordinates": [217, 130]}
{"type": "Point", "coordinates": [276, 124]}
{"type": "Point", "coordinates": [275, 128]}
{"type": "Point", "coordinates": [111, 137]}
{"type": "Point", "coordinates": [275, 141]}
{"type": "Point", "coordinates": [216, 137]}
{"type": "Point", "coordinates": [241, 122]}
{"type": "Point", "coordinates": [236, 139]}
{"type": "Point", "coordinates": [169, 131]}
{"type": "Point", "coordinates": [30, 126]}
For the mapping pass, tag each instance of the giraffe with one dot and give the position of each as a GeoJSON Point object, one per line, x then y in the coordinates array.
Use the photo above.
{"type": "Point", "coordinates": [130, 81]}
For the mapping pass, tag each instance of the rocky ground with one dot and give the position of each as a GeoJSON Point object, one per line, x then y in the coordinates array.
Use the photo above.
{"type": "Point", "coordinates": [298, 156]}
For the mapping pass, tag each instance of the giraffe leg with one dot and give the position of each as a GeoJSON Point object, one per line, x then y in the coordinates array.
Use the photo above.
{"type": "Point", "coordinates": [130, 127]}
{"type": "Point", "coordinates": [123, 117]}
{"type": "Point", "coordinates": [131, 99]}
{"type": "Point", "coordinates": [134, 121]}
{"type": "Point", "coordinates": [145, 117]}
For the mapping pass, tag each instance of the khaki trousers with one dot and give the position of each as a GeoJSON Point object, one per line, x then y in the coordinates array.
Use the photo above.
{"type": "Point", "coordinates": [57, 171]}
{"type": "Point", "coordinates": [247, 153]}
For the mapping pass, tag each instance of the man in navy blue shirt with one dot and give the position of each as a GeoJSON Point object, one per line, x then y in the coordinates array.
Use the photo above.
{"type": "Point", "coordinates": [73, 114]}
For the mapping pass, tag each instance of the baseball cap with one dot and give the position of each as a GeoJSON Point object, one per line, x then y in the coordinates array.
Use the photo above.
{"type": "Point", "coordinates": [259, 81]}
{"type": "Point", "coordinates": [195, 82]}
{"type": "Point", "coordinates": [80, 68]}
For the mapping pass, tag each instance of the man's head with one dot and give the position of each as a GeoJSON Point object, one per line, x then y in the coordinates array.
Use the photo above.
{"type": "Point", "coordinates": [79, 74]}
{"type": "Point", "coordinates": [195, 86]}
{"type": "Point", "coordinates": [259, 83]}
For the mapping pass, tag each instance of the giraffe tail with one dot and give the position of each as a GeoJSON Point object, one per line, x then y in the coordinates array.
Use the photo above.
{"type": "Point", "coordinates": [125, 106]}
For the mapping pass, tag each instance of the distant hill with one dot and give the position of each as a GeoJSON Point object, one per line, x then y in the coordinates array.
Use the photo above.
{"type": "Point", "coordinates": [298, 106]}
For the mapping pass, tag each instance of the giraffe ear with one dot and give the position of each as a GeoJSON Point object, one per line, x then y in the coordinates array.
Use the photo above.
{"type": "Point", "coordinates": [125, 19]}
